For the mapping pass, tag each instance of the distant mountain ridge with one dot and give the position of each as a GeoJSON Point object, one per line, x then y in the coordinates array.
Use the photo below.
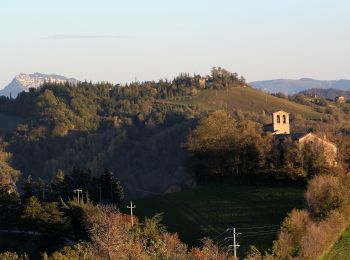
{"type": "Point", "coordinates": [23, 82]}
{"type": "Point", "coordinates": [329, 93]}
{"type": "Point", "coordinates": [293, 86]}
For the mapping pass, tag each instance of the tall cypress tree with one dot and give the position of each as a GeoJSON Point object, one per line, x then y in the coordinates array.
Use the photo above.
{"type": "Point", "coordinates": [110, 187]}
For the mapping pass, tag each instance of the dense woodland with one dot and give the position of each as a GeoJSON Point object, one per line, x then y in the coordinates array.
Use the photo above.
{"type": "Point", "coordinates": [97, 126]}
{"type": "Point", "coordinates": [113, 141]}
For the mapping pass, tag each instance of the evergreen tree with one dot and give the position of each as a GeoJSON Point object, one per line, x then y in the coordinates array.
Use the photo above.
{"type": "Point", "coordinates": [9, 207]}
{"type": "Point", "coordinates": [111, 189]}
{"type": "Point", "coordinates": [28, 188]}
{"type": "Point", "coordinates": [52, 219]}
{"type": "Point", "coordinates": [32, 212]}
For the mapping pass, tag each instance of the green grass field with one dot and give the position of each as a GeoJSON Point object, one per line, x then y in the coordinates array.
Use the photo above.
{"type": "Point", "coordinates": [32, 245]}
{"type": "Point", "coordinates": [20, 243]}
{"type": "Point", "coordinates": [247, 99]}
{"type": "Point", "coordinates": [209, 210]}
{"type": "Point", "coordinates": [341, 249]}
{"type": "Point", "coordinates": [8, 122]}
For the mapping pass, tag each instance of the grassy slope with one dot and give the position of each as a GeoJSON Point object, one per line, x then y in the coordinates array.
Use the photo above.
{"type": "Point", "coordinates": [8, 122]}
{"type": "Point", "coordinates": [341, 249]}
{"type": "Point", "coordinates": [29, 244]}
{"type": "Point", "coordinates": [20, 243]}
{"type": "Point", "coordinates": [208, 210]}
{"type": "Point", "coordinates": [247, 99]}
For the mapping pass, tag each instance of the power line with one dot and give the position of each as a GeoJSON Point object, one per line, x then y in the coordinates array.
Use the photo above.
{"type": "Point", "coordinates": [248, 232]}
{"type": "Point", "coordinates": [223, 243]}
{"type": "Point", "coordinates": [261, 227]}
{"type": "Point", "coordinates": [262, 231]}
{"type": "Point", "coordinates": [220, 241]}
{"type": "Point", "coordinates": [178, 205]}
{"type": "Point", "coordinates": [234, 241]}
{"type": "Point", "coordinates": [150, 192]}
{"type": "Point", "coordinates": [231, 241]}
{"type": "Point", "coordinates": [260, 234]}
{"type": "Point", "coordinates": [221, 234]}
{"type": "Point", "coordinates": [273, 229]}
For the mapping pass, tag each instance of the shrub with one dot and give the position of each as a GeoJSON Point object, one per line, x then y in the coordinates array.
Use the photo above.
{"type": "Point", "coordinates": [319, 236]}
{"type": "Point", "coordinates": [168, 246]}
{"type": "Point", "coordinates": [324, 195]}
{"type": "Point", "coordinates": [209, 251]}
{"type": "Point", "coordinates": [12, 256]}
{"type": "Point", "coordinates": [293, 227]}
{"type": "Point", "coordinates": [253, 254]}
{"type": "Point", "coordinates": [309, 234]}
{"type": "Point", "coordinates": [78, 251]}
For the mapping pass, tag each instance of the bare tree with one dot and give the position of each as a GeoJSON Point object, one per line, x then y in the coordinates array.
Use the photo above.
{"type": "Point", "coordinates": [108, 231]}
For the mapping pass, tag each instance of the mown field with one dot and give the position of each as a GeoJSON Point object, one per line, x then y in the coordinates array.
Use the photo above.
{"type": "Point", "coordinates": [21, 243]}
{"type": "Point", "coordinates": [30, 244]}
{"type": "Point", "coordinates": [207, 211]}
{"type": "Point", "coordinates": [341, 249]}
{"type": "Point", "coordinates": [247, 99]}
{"type": "Point", "coordinates": [8, 122]}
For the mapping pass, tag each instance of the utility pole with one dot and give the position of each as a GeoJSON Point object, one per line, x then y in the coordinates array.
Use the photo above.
{"type": "Point", "coordinates": [111, 191]}
{"type": "Point", "coordinates": [100, 190]}
{"type": "Point", "coordinates": [234, 241]}
{"type": "Point", "coordinates": [131, 207]}
{"type": "Point", "coordinates": [43, 193]}
{"type": "Point", "coordinates": [78, 191]}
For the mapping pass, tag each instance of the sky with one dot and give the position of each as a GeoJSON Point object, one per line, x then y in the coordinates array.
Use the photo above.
{"type": "Point", "coordinates": [120, 41]}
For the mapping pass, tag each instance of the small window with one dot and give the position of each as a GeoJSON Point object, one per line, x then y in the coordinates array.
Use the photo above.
{"type": "Point", "coordinates": [278, 119]}
{"type": "Point", "coordinates": [284, 119]}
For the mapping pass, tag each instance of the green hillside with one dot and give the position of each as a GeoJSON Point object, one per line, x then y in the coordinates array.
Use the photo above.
{"type": "Point", "coordinates": [8, 122]}
{"type": "Point", "coordinates": [21, 243]}
{"type": "Point", "coordinates": [247, 99]}
{"type": "Point", "coordinates": [341, 250]}
{"type": "Point", "coordinates": [211, 209]}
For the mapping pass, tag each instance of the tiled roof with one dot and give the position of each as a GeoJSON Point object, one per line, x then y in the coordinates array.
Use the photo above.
{"type": "Point", "coordinates": [294, 136]}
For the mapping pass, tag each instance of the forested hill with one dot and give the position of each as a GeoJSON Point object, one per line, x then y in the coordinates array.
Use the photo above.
{"type": "Point", "coordinates": [329, 93]}
{"type": "Point", "coordinates": [137, 131]}
{"type": "Point", "coordinates": [249, 100]}
{"type": "Point", "coordinates": [293, 86]}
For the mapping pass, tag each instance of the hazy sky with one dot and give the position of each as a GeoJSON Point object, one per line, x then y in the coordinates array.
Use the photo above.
{"type": "Point", "coordinates": [119, 41]}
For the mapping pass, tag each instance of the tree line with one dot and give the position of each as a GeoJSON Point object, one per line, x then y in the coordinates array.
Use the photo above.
{"type": "Point", "coordinates": [98, 126]}
{"type": "Point", "coordinates": [221, 146]}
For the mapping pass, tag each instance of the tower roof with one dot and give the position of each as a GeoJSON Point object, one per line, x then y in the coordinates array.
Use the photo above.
{"type": "Point", "coordinates": [280, 111]}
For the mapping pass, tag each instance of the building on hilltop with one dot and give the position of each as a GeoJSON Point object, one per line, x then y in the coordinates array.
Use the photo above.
{"type": "Point", "coordinates": [202, 81]}
{"type": "Point", "coordinates": [205, 82]}
{"type": "Point", "coordinates": [340, 99]}
{"type": "Point", "coordinates": [280, 129]}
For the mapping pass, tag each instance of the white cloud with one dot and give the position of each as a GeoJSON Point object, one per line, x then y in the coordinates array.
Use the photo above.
{"type": "Point", "coordinates": [81, 37]}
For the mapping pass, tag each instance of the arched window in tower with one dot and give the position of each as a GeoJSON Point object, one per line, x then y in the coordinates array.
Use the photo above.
{"type": "Point", "coordinates": [278, 119]}
{"type": "Point", "coordinates": [284, 119]}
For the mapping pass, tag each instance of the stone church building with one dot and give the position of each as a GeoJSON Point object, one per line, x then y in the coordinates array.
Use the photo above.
{"type": "Point", "coordinates": [280, 123]}
{"type": "Point", "coordinates": [280, 128]}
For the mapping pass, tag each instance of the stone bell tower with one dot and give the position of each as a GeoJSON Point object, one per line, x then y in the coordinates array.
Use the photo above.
{"type": "Point", "coordinates": [280, 122]}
